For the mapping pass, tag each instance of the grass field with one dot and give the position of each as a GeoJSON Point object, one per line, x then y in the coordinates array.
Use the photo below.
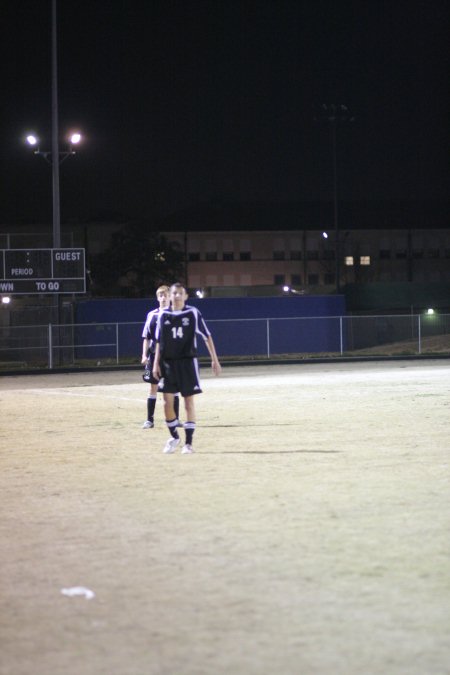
{"type": "Point", "coordinates": [308, 535]}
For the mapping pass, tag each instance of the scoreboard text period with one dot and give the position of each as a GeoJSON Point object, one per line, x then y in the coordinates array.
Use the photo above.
{"type": "Point", "coordinates": [44, 270]}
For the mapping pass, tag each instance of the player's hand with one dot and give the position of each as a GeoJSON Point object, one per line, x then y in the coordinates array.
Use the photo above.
{"type": "Point", "coordinates": [144, 360]}
{"type": "Point", "coordinates": [156, 372]}
{"type": "Point", "coordinates": [216, 368]}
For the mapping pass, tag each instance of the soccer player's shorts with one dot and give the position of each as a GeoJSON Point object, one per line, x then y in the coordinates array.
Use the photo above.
{"type": "Point", "coordinates": [180, 375]}
{"type": "Point", "coordinates": [149, 368]}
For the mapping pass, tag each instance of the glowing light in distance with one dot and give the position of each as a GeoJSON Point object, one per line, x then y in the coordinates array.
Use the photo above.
{"type": "Point", "coordinates": [6, 299]}
{"type": "Point", "coordinates": [32, 140]}
{"type": "Point", "coordinates": [75, 138]}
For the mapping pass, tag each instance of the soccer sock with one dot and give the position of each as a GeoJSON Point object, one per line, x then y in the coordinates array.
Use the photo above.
{"type": "Point", "coordinates": [189, 428]}
{"type": "Point", "coordinates": [176, 406]}
{"type": "Point", "coordinates": [151, 402]}
{"type": "Point", "coordinates": [172, 426]}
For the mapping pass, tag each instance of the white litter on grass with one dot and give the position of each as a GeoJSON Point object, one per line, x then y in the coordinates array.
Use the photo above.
{"type": "Point", "coordinates": [78, 590]}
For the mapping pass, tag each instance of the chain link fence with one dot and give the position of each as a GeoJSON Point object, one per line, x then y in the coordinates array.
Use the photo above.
{"type": "Point", "coordinates": [53, 345]}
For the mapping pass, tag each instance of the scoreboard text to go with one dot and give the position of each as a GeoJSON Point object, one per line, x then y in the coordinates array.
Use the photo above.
{"type": "Point", "coordinates": [47, 270]}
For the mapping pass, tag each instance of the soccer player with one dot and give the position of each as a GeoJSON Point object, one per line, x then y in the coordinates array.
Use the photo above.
{"type": "Point", "coordinates": [175, 363]}
{"type": "Point", "coordinates": [148, 355]}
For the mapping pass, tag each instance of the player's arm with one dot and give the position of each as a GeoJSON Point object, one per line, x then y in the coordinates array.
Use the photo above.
{"type": "Point", "coordinates": [146, 339]}
{"type": "Point", "coordinates": [145, 345]}
{"type": "Point", "coordinates": [156, 372]}
{"type": "Point", "coordinates": [215, 365]}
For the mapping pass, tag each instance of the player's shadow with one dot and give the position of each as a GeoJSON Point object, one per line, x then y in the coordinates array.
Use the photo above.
{"type": "Point", "coordinates": [239, 426]}
{"type": "Point", "coordinates": [263, 452]}
{"type": "Point", "coordinates": [272, 452]}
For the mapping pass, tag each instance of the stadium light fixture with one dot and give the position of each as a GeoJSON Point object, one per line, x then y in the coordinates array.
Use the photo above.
{"type": "Point", "coordinates": [32, 139]}
{"type": "Point", "coordinates": [430, 311]}
{"type": "Point", "coordinates": [325, 235]}
{"type": "Point", "coordinates": [200, 293]}
{"type": "Point", "coordinates": [6, 299]}
{"type": "Point", "coordinates": [73, 139]}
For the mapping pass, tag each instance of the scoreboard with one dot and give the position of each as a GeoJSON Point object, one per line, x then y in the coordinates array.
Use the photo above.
{"type": "Point", "coordinates": [42, 270]}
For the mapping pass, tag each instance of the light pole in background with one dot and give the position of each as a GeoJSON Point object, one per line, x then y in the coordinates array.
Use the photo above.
{"type": "Point", "coordinates": [334, 115]}
{"type": "Point", "coordinates": [55, 156]}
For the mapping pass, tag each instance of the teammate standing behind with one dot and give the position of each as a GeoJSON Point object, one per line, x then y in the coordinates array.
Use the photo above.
{"type": "Point", "coordinates": [175, 363]}
{"type": "Point", "coordinates": [148, 355]}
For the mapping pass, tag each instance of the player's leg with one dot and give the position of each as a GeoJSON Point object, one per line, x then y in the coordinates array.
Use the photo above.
{"type": "Point", "coordinates": [151, 403]}
{"type": "Point", "coordinates": [189, 378]}
{"type": "Point", "coordinates": [189, 425]}
{"type": "Point", "coordinates": [176, 407]}
{"type": "Point", "coordinates": [169, 387]}
{"type": "Point", "coordinates": [151, 400]}
{"type": "Point", "coordinates": [171, 422]}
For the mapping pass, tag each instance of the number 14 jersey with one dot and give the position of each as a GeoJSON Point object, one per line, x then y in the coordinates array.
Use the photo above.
{"type": "Point", "coordinates": [177, 331]}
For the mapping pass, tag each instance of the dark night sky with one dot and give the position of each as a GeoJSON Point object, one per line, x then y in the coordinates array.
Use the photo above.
{"type": "Point", "coordinates": [186, 102]}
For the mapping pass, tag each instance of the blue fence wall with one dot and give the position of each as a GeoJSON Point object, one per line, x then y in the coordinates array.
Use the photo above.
{"type": "Point", "coordinates": [288, 330]}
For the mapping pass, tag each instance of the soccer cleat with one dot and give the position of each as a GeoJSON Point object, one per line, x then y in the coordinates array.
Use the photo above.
{"type": "Point", "coordinates": [187, 449]}
{"type": "Point", "coordinates": [148, 425]}
{"type": "Point", "coordinates": [170, 446]}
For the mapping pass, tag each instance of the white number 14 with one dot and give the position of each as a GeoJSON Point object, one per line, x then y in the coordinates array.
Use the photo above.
{"type": "Point", "coordinates": [177, 332]}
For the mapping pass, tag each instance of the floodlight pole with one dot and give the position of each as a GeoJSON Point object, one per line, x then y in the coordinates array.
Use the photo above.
{"type": "Point", "coordinates": [335, 114]}
{"type": "Point", "coordinates": [335, 207]}
{"type": "Point", "coordinates": [55, 145]}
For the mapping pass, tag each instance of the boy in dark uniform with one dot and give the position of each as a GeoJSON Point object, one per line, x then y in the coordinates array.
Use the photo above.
{"type": "Point", "coordinates": [176, 365]}
{"type": "Point", "coordinates": [148, 355]}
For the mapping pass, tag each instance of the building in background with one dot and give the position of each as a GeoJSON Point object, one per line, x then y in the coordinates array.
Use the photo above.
{"type": "Point", "coordinates": [258, 249]}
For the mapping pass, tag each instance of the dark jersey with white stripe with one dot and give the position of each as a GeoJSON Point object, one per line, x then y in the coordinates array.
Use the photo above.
{"type": "Point", "coordinates": [150, 329]}
{"type": "Point", "coordinates": [177, 330]}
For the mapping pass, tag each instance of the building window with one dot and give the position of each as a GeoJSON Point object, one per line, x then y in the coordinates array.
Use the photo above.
{"type": "Point", "coordinates": [349, 261]}
{"type": "Point", "coordinates": [329, 279]}
{"type": "Point", "coordinates": [385, 254]}
{"type": "Point", "coordinates": [401, 255]}
{"type": "Point", "coordinates": [433, 253]}
{"type": "Point", "coordinates": [278, 255]}
{"type": "Point", "coordinates": [228, 255]}
{"type": "Point", "coordinates": [244, 246]}
{"type": "Point", "coordinates": [296, 255]}
{"type": "Point", "coordinates": [312, 255]}
{"type": "Point", "coordinates": [328, 254]}
{"type": "Point", "coordinates": [313, 279]}
{"type": "Point", "coordinates": [245, 255]}
{"type": "Point", "coordinates": [194, 257]}
{"type": "Point", "coordinates": [211, 256]}
{"type": "Point", "coordinates": [364, 260]}
{"type": "Point", "coordinates": [279, 280]}
{"type": "Point", "coordinates": [296, 280]}
{"type": "Point", "coordinates": [417, 253]}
